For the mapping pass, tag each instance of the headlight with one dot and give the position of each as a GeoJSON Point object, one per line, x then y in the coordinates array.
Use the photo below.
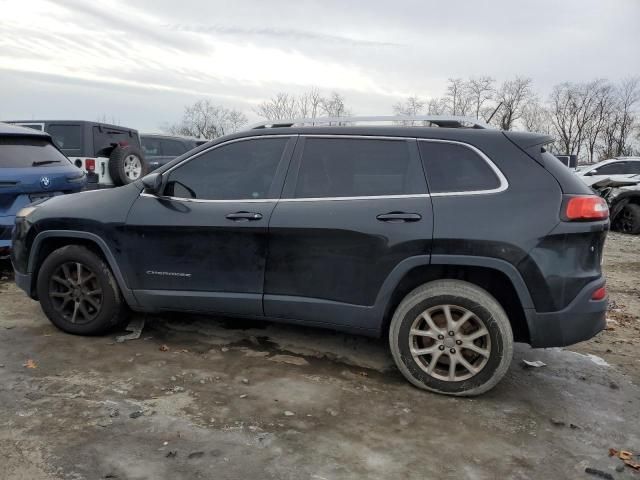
{"type": "Point", "coordinates": [25, 212]}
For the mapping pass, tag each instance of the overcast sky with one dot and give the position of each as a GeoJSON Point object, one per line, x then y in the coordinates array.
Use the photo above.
{"type": "Point", "coordinates": [139, 62]}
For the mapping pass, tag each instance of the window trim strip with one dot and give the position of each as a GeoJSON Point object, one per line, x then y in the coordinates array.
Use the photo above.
{"type": "Point", "coordinates": [504, 184]}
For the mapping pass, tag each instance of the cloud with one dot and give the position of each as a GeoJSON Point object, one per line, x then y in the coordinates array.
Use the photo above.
{"type": "Point", "coordinates": [162, 54]}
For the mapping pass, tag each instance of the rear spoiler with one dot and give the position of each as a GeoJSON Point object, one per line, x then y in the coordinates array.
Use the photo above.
{"type": "Point", "coordinates": [531, 143]}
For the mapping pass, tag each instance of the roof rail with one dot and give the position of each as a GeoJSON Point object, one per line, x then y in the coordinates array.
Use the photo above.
{"type": "Point", "coordinates": [448, 121]}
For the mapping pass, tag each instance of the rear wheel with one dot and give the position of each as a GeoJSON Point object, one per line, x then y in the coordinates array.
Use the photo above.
{"type": "Point", "coordinates": [628, 220]}
{"type": "Point", "coordinates": [78, 292]}
{"type": "Point", "coordinates": [451, 337]}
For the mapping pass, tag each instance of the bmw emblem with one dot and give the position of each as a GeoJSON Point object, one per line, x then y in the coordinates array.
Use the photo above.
{"type": "Point", "coordinates": [45, 182]}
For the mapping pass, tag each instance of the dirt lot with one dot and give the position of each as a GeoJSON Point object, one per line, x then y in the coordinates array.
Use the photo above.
{"type": "Point", "coordinates": [224, 399]}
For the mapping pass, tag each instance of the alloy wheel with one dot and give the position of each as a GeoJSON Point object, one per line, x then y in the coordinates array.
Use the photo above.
{"type": "Point", "coordinates": [132, 167]}
{"type": "Point", "coordinates": [75, 293]}
{"type": "Point", "coordinates": [449, 343]}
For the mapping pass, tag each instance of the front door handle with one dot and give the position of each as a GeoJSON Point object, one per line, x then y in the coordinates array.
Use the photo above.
{"type": "Point", "coordinates": [399, 217]}
{"type": "Point", "coordinates": [243, 216]}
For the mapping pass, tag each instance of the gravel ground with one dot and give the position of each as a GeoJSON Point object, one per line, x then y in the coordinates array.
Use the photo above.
{"type": "Point", "coordinates": [197, 397]}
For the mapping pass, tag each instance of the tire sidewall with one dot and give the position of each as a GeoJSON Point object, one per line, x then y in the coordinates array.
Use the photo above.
{"type": "Point", "coordinates": [500, 336]}
{"type": "Point", "coordinates": [110, 309]}
{"type": "Point", "coordinates": [116, 164]}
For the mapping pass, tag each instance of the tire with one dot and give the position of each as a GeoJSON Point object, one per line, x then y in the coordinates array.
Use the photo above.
{"type": "Point", "coordinates": [126, 165]}
{"type": "Point", "coordinates": [461, 299]}
{"type": "Point", "coordinates": [628, 220]}
{"type": "Point", "coordinates": [79, 309]}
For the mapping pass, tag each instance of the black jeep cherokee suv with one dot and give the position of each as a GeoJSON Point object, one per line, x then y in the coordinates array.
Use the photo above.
{"type": "Point", "coordinates": [455, 242]}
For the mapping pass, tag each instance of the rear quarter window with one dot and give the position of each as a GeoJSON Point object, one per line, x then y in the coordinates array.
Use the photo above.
{"type": "Point", "coordinates": [18, 152]}
{"type": "Point", "coordinates": [68, 138]}
{"type": "Point", "coordinates": [453, 168]}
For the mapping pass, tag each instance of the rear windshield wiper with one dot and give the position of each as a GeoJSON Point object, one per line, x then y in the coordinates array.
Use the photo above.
{"type": "Point", "coordinates": [44, 162]}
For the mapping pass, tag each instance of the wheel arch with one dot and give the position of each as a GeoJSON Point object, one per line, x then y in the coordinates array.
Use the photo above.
{"type": "Point", "coordinates": [46, 242]}
{"type": "Point", "coordinates": [498, 277]}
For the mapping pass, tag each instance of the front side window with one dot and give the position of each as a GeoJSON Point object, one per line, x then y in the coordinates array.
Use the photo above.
{"type": "Point", "coordinates": [352, 167]}
{"type": "Point", "coordinates": [68, 138]}
{"type": "Point", "coordinates": [151, 147]}
{"type": "Point", "coordinates": [453, 168]}
{"type": "Point", "coordinates": [237, 171]}
{"type": "Point", "coordinates": [632, 167]}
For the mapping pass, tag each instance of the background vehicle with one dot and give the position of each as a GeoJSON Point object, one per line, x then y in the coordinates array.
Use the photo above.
{"type": "Point", "coordinates": [623, 198]}
{"type": "Point", "coordinates": [161, 149]}
{"type": "Point", "coordinates": [31, 168]}
{"type": "Point", "coordinates": [109, 154]}
{"type": "Point", "coordinates": [453, 241]}
{"type": "Point", "coordinates": [619, 168]}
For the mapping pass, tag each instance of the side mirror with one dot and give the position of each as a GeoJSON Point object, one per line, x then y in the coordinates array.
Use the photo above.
{"type": "Point", "coordinates": [591, 173]}
{"type": "Point", "coordinates": [152, 183]}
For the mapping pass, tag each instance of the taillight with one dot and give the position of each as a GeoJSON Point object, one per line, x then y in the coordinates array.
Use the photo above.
{"type": "Point", "coordinates": [90, 163]}
{"type": "Point", "coordinates": [599, 294]}
{"type": "Point", "coordinates": [589, 207]}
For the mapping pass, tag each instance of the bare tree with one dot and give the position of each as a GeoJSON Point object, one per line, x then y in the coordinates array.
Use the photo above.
{"type": "Point", "coordinates": [457, 97]}
{"type": "Point", "coordinates": [278, 107]}
{"type": "Point", "coordinates": [334, 105]}
{"type": "Point", "coordinates": [574, 112]}
{"type": "Point", "coordinates": [411, 107]}
{"type": "Point", "coordinates": [480, 91]}
{"type": "Point", "coordinates": [203, 119]}
{"type": "Point", "coordinates": [535, 117]}
{"type": "Point", "coordinates": [512, 96]}
{"type": "Point", "coordinates": [311, 104]}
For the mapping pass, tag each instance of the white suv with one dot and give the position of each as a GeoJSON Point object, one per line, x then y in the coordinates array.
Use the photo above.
{"type": "Point", "coordinates": [620, 168]}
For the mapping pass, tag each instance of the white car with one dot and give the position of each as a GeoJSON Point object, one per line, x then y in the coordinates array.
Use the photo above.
{"type": "Point", "coordinates": [620, 168]}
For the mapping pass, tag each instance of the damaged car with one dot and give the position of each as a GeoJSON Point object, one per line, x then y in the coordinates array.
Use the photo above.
{"type": "Point", "coordinates": [623, 198]}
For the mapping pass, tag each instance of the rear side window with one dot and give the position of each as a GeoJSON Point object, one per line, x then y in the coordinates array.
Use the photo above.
{"type": "Point", "coordinates": [352, 167]}
{"type": "Point", "coordinates": [237, 171]}
{"type": "Point", "coordinates": [17, 152]}
{"type": "Point", "coordinates": [616, 168]}
{"type": "Point", "coordinates": [453, 168]}
{"type": "Point", "coordinates": [151, 146]}
{"type": "Point", "coordinates": [68, 138]}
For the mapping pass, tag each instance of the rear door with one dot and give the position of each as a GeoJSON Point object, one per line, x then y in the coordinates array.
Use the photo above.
{"type": "Point", "coordinates": [353, 208]}
{"type": "Point", "coordinates": [202, 245]}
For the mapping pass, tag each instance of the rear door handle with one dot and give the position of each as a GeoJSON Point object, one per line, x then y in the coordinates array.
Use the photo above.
{"type": "Point", "coordinates": [243, 216]}
{"type": "Point", "coordinates": [399, 217]}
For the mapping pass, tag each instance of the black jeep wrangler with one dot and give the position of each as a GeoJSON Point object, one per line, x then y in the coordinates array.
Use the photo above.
{"type": "Point", "coordinates": [109, 154]}
{"type": "Point", "coordinates": [452, 241]}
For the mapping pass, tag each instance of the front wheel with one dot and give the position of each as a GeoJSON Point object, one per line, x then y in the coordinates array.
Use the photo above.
{"type": "Point", "coordinates": [451, 337]}
{"type": "Point", "coordinates": [628, 220]}
{"type": "Point", "coordinates": [78, 292]}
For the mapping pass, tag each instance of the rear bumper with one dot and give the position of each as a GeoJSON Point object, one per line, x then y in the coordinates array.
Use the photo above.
{"type": "Point", "coordinates": [6, 226]}
{"type": "Point", "coordinates": [582, 319]}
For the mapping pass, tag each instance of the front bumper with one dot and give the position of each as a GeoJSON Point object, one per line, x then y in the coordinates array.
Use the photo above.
{"type": "Point", "coordinates": [581, 320]}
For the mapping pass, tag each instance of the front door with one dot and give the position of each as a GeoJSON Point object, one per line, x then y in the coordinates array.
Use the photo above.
{"type": "Point", "coordinates": [351, 211]}
{"type": "Point", "coordinates": [201, 245]}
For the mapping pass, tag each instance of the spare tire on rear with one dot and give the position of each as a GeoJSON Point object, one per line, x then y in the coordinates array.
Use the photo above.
{"type": "Point", "coordinates": [126, 165]}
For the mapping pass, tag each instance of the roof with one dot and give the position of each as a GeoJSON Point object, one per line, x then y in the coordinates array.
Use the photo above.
{"type": "Point", "coordinates": [180, 137]}
{"type": "Point", "coordinates": [8, 129]}
{"type": "Point", "coordinates": [469, 135]}
{"type": "Point", "coordinates": [75, 122]}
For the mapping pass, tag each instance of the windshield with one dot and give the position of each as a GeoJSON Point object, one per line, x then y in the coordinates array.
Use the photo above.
{"type": "Point", "coordinates": [21, 152]}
